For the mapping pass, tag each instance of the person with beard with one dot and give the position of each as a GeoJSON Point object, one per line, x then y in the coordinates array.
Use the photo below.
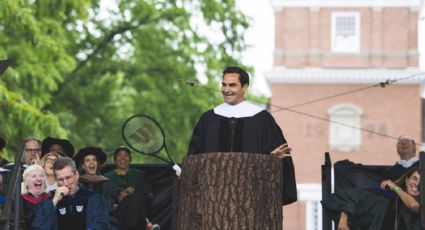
{"type": "Point", "coordinates": [33, 193]}
{"type": "Point", "coordinates": [71, 207]}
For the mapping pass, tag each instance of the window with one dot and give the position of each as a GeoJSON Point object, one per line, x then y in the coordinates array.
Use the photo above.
{"type": "Point", "coordinates": [311, 195]}
{"type": "Point", "coordinates": [344, 132]}
{"type": "Point", "coordinates": [345, 32]}
{"type": "Point", "coordinates": [314, 215]}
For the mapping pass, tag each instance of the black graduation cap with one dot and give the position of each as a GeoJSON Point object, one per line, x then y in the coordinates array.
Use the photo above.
{"type": "Point", "coordinates": [4, 64]}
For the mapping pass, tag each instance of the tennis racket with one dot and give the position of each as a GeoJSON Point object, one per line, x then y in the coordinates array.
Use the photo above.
{"type": "Point", "coordinates": [144, 135]}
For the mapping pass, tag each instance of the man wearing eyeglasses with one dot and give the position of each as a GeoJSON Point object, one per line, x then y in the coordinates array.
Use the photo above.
{"type": "Point", "coordinates": [74, 207]}
{"type": "Point", "coordinates": [32, 150]}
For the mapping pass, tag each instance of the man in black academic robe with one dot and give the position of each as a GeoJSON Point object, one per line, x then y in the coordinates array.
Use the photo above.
{"type": "Point", "coordinates": [239, 126]}
{"type": "Point", "coordinates": [72, 207]}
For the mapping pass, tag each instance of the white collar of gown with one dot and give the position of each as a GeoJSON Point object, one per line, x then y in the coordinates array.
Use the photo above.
{"type": "Point", "coordinates": [408, 163]}
{"type": "Point", "coordinates": [243, 109]}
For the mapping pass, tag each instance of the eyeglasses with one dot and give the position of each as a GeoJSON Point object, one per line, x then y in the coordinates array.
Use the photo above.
{"type": "Point", "coordinates": [68, 179]}
{"type": "Point", "coordinates": [32, 150]}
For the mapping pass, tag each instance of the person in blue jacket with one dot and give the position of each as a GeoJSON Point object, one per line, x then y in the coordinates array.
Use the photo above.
{"type": "Point", "coordinates": [71, 207]}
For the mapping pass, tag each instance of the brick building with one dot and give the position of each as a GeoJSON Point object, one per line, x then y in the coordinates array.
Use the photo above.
{"type": "Point", "coordinates": [329, 60]}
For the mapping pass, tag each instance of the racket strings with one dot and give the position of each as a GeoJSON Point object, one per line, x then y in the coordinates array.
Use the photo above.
{"type": "Point", "coordinates": [144, 135]}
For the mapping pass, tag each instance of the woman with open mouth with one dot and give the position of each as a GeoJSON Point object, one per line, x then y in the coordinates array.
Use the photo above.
{"type": "Point", "coordinates": [89, 162]}
{"type": "Point", "coordinates": [33, 193]}
{"type": "Point", "coordinates": [394, 205]}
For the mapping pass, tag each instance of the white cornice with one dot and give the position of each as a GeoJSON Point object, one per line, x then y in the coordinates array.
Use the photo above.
{"type": "Point", "coordinates": [279, 4]}
{"type": "Point", "coordinates": [343, 76]}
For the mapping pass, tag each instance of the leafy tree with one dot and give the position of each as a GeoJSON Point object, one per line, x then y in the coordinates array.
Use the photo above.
{"type": "Point", "coordinates": [80, 70]}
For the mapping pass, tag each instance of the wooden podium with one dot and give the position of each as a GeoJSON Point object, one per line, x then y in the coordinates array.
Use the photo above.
{"type": "Point", "coordinates": [230, 191]}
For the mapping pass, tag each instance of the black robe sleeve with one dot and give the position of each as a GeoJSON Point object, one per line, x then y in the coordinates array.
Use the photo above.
{"type": "Point", "coordinates": [289, 194]}
{"type": "Point", "coordinates": [365, 210]}
{"type": "Point", "coordinates": [258, 134]}
{"type": "Point", "coordinates": [195, 144]}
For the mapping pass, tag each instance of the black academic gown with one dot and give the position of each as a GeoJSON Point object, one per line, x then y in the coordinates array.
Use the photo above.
{"type": "Point", "coordinates": [97, 213]}
{"type": "Point", "coordinates": [396, 171]}
{"type": "Point", "coordinates": [257, 134]}
{"type": "Point", "coordinates": [370, 210]}
{"type": "Point", "coordinates": [30, 205]}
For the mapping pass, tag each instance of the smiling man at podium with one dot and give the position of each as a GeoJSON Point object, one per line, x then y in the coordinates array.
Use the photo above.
{"type": "Point", "coordinates": [237, 125]}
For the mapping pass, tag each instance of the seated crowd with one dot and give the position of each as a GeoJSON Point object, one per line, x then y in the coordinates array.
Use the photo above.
{"type": "Point", "coordinates": [63, 190]}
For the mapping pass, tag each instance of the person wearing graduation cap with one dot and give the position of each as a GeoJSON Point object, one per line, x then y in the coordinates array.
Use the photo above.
{"type": "Point", "coordinates": [89, 163]}
{"type": "Point", "coordinates": [252, 129]}
{"type": "Point", "coordinates": [62, 146]}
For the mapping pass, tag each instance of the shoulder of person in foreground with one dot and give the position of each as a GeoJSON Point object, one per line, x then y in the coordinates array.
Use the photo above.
{"type": "Point", "coordinates": [98, 216]}
{"type": "Point", "coordinates": [45, 216]}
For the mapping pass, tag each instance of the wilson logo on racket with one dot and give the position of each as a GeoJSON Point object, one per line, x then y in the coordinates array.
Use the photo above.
{"type": "Point", "coordinates": [144, 135]}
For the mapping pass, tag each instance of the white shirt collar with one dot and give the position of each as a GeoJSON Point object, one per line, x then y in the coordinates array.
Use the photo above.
{"type": "Point", "coordinates": [243, 109]}
{"type": "Point", "coordinates": [408, 163]}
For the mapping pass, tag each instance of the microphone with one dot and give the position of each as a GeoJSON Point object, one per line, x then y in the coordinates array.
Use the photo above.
{"type": "Point", "coordinates": [191, 83]}
{"type": "Point", "coordinates": [188, 82]}
{"type": "Point", "coordinates": [197, 85]}
{"type": "Point", "coordinates": [232, 124]}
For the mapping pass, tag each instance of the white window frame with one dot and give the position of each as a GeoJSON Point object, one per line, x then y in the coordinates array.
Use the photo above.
{"type": "Point", "coordinates": [348, 43]}
{"type": "Point", "coordinates": [344, 127]}
{"type": "Point", "coordinates": [311, 195]}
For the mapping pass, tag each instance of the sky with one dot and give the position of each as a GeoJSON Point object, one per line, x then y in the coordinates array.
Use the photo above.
{"type": "Point", "coordinates": [261, 37]}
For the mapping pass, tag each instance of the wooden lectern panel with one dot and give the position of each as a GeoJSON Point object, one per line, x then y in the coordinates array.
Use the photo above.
{"type": "Point", "coordinates": [230, 191]}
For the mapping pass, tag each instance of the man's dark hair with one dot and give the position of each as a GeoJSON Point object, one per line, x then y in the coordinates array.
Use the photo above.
{"type": "Point", "coordinates": [63, 162]}
{"type": "Point", "coordinates": [82, 171]}
{"type": "Point", "coordinates": [243, 75]}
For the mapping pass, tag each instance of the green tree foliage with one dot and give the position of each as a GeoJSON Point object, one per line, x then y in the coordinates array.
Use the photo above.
{"type": "Point", "coordinates": [82, 67]}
